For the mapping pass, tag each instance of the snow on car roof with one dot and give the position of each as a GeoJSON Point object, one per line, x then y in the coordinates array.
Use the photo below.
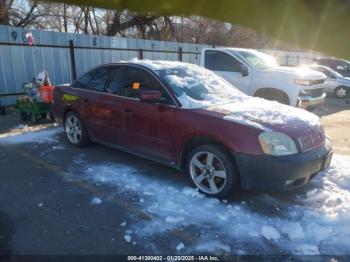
{"type": "Point", "coordinates": [161, 64]}
{"type": "Point", "coordinates": [243, 109]}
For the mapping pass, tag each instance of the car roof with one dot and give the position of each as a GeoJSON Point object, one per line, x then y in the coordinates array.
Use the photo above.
{"type": "Point", "coordinates": [152, 64]}
{"type": "Point", "coordinates": [233, 49]}
{"type": "Point", "coordinates": [322, 66]}
{"type": "Point", "coordinates": [331, 59]}
{"type": "Point", "coordinates": [326, 68]}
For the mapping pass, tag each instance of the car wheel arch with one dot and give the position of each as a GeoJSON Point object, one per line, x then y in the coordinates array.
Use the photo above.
{"type": "Point", "coordinates": [265, 91]}
{"type": "Point", "coordinates": [196, 141]}
{"type": "Point", "coordinates": [68, 110]}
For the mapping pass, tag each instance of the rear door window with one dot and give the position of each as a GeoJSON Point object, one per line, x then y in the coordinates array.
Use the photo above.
{"type": "Point", "coordinates": [221, 61]}
{"type": "Point", "coordinates": [115, 82]}
{"type": "Point", "coordinates": [98, 79]}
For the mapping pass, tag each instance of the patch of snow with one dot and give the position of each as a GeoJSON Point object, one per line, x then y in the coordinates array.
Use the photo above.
{"type": "Point", "coordinates": [79, 159]}
{"type": "Point", "coordinates": [44, 136]}
{"type": "Point", "coordinates": [257, 111]}
{"type": "Point", "coordinates": [312, 220]}
{"type": "Point", "coordinates": [123, 224]}
{"type": "Point", "coordinates": [171, 219]}
{"type": "Point", "coordinates": [180, 246]}
{"type": "Point", "coordinates": [96, 201]}
{"type": "Point", "coordinates": [127, 238]}
{"type": "Point", "coordinates": [293, 230]}
{"type": "Point", "coordinates": [213, 246]}
{"type": "Point", "coordinates": [60, 147]}
{"type": "Point", "coordinates": [306, 249]}
{"type": "Point", "coordinates": [20, 126]}
{"type": "Point", "coordinates": [270, 233]}
{"type": "Point", "coordinates": [40, 204]}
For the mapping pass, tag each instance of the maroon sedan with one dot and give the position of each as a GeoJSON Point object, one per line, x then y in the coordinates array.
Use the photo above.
{"type": "Point", "coordinates": [189, 118]}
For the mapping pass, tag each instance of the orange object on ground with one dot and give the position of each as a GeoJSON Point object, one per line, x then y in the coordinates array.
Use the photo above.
{"type": "Point", "coordinates": [46, 94]}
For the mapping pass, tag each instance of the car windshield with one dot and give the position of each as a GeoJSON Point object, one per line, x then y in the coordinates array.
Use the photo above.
{"type": "Point", "coordinates": [198, 87]}
{"type": "Point", "coordinates": [332, 72]}
{"type": "Point", "coordinates": [258, 59]}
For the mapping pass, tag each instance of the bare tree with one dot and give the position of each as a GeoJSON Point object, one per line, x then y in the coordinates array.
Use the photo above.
{"type": "Point", "coordinates": [5, 6]}
{"type": "Point", "coordinates": [88, 20]}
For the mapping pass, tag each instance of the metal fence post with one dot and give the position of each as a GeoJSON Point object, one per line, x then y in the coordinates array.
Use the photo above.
{"type": "Point", "coordinates": [179, 54]}
{"type": "Point", "coordinates": [141, 54]}
{"type": "Point", "coordinates": [72, 60]}
{"type": "Point", "coordinates": [2, 109]}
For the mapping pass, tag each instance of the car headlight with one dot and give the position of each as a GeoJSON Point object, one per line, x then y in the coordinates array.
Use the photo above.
{"type": "Point", "coordinates": [302, 82]}
{"type": "Point", "coordinates": [277, 144]}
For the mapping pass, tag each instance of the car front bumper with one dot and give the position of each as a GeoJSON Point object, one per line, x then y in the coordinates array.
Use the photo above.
{"type": "Point", "coordinates": [280, 173]}
{"type": "Point", "coordinates": [308, 102]}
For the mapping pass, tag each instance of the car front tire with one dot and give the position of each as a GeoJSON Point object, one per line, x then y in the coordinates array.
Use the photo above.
{"type": "Point", "coordinates": [341, 92]}
{"type": "Point", "coordinates": [212, 171]}
{"type": "Point", "coordinates": [75, 130]}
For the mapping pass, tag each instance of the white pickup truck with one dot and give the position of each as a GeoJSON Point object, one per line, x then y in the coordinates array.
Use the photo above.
{"type": "Point", "coordinates": [258, 74]}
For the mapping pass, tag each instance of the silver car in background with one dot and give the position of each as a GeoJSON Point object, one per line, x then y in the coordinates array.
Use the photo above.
{"type": "Point", "coordinates": [335, 83]}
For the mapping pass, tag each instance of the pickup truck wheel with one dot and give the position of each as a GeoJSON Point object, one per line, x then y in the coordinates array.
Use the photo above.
{"type": "Point", "coordinates": [212, 171]}
{"type": "Point", "coordinates": [75, 130]}
{"type": "Point", "coordinates": [273, 95]}
{"type": "Point", "coordinates": [341, 92]}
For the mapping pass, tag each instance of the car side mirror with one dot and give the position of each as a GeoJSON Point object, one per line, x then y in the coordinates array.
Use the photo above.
{"type": "Point", "coordinates": [244, 70]}
{"type": "Point", "coordinates": [150, 96]}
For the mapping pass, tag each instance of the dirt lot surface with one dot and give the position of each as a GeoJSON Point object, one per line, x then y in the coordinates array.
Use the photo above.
{"type": "Point", "coordinates": [56, 199]}
{"type": "Point", "coordinates": [335, 117]}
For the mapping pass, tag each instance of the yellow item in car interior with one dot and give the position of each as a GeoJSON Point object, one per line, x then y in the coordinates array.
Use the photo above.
{"type": "Point", "coordinates": [135, 86]}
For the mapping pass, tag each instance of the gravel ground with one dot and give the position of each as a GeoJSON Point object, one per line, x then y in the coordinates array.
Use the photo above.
{"type": "Point", "coordinates": [335, 117]}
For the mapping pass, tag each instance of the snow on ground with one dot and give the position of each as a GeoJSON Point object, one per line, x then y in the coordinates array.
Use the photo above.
{"type": "Point", "coordinates": [316, 221]}
{"type": "Point", "coordinates": [26, 134]}
{"type": "Point", "coordinates": [96, 201]}
{"type": "Point", "coordinates": [313, 220]}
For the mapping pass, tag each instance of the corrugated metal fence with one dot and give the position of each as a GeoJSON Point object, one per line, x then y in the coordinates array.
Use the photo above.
{"type": "Point", "coordinates": [20, 62]}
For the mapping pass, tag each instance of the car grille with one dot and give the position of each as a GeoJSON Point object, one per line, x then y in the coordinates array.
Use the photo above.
{"type": "Point", "coordinates": [315, 92]}
{"type": "Point", "coordinates": [311, 140]}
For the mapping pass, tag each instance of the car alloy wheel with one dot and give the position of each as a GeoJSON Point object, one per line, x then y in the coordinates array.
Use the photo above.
{"type": "Point", "coordinates": [208, 172]}
{"type": "Point", "coordinates": [73, 129]}
{"type": "Point", "coordinates": [341, 92]}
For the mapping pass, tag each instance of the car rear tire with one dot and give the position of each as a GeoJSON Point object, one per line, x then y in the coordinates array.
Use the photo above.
{"type": "Point", "coordinates": [341, 92]}
{"type": "Point", "coordinates": [213, 172]}
{"type": "Point", "coordinates": [75, 130]}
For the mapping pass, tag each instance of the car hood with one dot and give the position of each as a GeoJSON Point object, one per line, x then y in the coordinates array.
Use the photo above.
{"type": "Point", "coordinates": [268, 116]}
{"type": "Point", "coordinates": [344, 81]}
{"type": "Point", "coordinates": [299, 73]}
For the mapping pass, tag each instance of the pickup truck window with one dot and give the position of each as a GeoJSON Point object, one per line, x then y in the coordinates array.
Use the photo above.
{"type": "Point", "coordinates": [258, 59]}
{"type": "Point", "coordinates": [221, 61]}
